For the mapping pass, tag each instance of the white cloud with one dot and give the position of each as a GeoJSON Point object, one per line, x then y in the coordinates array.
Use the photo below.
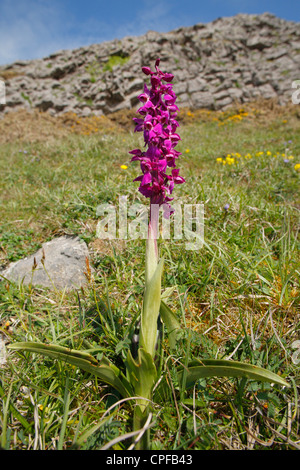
{"type": "Point", "coordinates": [30, 29]}
{"type": "Point", "coordinates": [36, 28]}
{"type": "Point", "coordinates": [159, 16]}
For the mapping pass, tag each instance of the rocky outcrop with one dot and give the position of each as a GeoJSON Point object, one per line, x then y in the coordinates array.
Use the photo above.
{"type": "Point", "coordinates": [240, 58]}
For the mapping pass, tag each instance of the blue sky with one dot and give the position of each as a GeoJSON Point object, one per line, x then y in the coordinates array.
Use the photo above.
{"type": "Point", "coordinates": [35, 28]}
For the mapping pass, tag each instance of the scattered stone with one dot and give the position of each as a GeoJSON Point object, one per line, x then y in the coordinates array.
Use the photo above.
{"type": "Point", "coordinates": [60, 264]}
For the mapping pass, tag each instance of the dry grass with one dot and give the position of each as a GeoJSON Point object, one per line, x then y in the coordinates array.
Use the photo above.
{"type": "Point", "coordinates": [10, 73]}
{"type": "Point", "coordinates": [36, 126]}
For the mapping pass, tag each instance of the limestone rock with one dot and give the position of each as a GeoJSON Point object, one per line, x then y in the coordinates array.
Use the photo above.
{"type": "Point", "coordinates": [236, 58]}
{"type": "Point", "coordinates": [64, 265]}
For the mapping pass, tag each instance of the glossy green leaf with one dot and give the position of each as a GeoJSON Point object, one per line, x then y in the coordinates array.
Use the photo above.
{"type": "Point", "coordinates": [199, 369]}
{"type": "Point", "coordinates": [105, 370]}
{"type": "Point", "coordinates": [170, 320]}
{"type": "Point", "coordinates": [142, 373]}
{"type": "Point", "coordinates": [150, 312]}
{"type": "Point", "coordinates": [224, 368]}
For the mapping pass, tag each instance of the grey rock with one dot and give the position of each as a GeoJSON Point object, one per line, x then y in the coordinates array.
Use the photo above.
{"type": "Point", "coordinates": [224, 102]}
{"type": "Point", "coordinates": [267, 91]}
{"type": "Point", "coordinates": [196, 84]}
{"type": "Point", "coordinates": [259, 54]}
{"type": "Point", "coordinates": [63, 268]}
{"type": "Point", "coordinates": [203, 99]}
{"type": "Point", "coordinates": [257, 42]}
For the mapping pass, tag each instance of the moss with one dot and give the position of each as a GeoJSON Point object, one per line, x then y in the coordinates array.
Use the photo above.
{"type": "Point", "coordinates": [113, 61]}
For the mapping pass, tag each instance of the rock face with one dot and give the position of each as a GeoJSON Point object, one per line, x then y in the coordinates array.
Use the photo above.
{"type": "Point", "coordinates": [240, 58]}
{"type": "Point", "coordinates": [64, 265]}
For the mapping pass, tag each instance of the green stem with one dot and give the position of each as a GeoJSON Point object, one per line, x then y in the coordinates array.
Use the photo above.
{"type": "Point", "coordinates": [139, 419]}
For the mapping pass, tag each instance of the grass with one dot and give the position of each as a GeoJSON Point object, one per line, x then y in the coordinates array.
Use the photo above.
{"type": "Point", "coordinates": [237, 297]}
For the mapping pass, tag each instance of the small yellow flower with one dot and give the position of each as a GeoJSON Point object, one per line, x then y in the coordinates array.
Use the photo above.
{"type": "Point", "coordinates": [229, 160]}
{"type": "Point", "coordinates": [187, 150]}
{"type": "Point", "coordinates": [269, 153]}
{"type": "Point", "coordinates": [124, 167]}
{"type": "Point", "coordinates": [220, 160]}
{"type": "Point", "coordinates": [297, 167]}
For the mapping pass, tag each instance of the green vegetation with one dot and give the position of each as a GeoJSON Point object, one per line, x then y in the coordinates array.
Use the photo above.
{"type": "Point", "coordinates": [113, 61]}
{"type": "Point", "coordinates": [26, 97]}
{"type": "Point", "coordinates": [237, 298]}
{"type": "Point", "coordinates": [95, 69]}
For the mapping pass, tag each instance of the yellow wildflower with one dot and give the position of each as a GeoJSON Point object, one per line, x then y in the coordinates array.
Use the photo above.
{"type": "Point", "coordinates": [229, 160]}
{"type": "Point", "coordinates": [124, 167]}
{"type": "Point", "coordinates": [297, 167]}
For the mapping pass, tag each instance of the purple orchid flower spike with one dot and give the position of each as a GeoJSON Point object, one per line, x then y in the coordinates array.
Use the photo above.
{"type": "Point", "coordinates": [158, 124]}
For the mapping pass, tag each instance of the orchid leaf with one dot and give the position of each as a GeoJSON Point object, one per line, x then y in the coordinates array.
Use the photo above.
{"type": "Point", "coordinates": [150, 312]}
{"type": "Point", "coordinates": [105, 370]}
{"type": "Point", "coordinates": [170, 320]}
{"type": "Point", "coordinates": [224, 368]}
{"type": "Point", "coordinates": [142, 373]}
{"type": "Point", "coordinates": [167, 293]}
{"type": "Point", "coordinates": [199, 369]}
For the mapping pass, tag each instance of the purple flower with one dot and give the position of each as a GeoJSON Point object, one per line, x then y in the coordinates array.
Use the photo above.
{"type": "Point", "coordinates": [159, 126]}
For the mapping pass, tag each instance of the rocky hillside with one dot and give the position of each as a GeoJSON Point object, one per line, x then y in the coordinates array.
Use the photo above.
{"type": "Point", "coordinates": [232, 59]}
